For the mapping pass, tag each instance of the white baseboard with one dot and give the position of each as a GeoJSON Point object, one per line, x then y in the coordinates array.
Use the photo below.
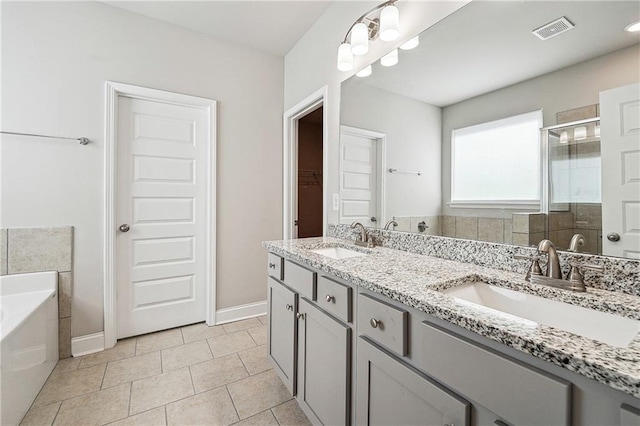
{"type": "Point", "coordinates": [241, 312]}
{"type": "Point", "coordinates": [87, 344]}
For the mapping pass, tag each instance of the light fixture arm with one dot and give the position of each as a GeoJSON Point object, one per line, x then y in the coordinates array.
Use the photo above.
{"type": "Point", "coordinates": [373, 30]}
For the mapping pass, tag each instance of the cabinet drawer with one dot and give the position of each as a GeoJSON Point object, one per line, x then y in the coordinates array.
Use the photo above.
{"type": "Point", "coordinates": [300, 279]}
{"type": "Point", "coordinates": [334, 298]}
{"type": "Point", "coordinates": [516, 393]}
{"type": "Point", "coordinates": [383, 323]}
{"type": "Point", "coordinates": [274, 266]}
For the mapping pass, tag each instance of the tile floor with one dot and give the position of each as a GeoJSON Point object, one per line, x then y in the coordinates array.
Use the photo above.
{"type": "Point", "coordinates": [194, 375]}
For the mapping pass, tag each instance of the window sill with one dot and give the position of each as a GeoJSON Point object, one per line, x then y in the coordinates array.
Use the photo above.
{"type": "Point", "coordinates": [512, 205]}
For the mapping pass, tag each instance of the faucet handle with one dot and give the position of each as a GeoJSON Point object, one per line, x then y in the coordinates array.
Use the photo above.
{"type": "Point", "coordinates": [535, 268]}
{"type": "Point", "coordinates": [576, 278]}
{"type": "Point", "coordinates": [591, 267]}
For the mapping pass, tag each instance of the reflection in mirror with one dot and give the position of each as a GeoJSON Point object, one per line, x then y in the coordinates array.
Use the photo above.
{"type": "Point", "coordinates": [465, 109]}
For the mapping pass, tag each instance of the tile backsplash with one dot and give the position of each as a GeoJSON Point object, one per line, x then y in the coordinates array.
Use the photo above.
{"type": "Point", "coordinates": [24, 250]}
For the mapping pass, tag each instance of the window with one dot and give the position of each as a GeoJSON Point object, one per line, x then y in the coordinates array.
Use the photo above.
{"type": "Point", "coordinates": [497, 163]}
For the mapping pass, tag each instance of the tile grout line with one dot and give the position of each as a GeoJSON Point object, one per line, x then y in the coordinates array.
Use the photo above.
{"type": "Point", "coordinates": [57, 412]}
{"type": "Point", "coordinates": [233, 403]}
{"type": "Point", "coordinates": [130, 397]}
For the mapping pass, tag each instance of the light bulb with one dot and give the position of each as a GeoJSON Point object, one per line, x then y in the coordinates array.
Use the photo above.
{"type": "Point", "coordinates": [345, 57]}
{"type": "Point", "coordinates": [389, 23]}
{"type": "Point", "coordinates": [580, 133]}
{"type": "Point", "coordinates": [596, 131]}
{"type": "Point", "coordinates": [359, 39]}
{"type": "Point", "coordinates": [390, 59]}
{"type": "Point", "coordinates": [564, 137]}
{"type": "Point", "coordinates": [365, 72]}
{"type": "Point", "coordinates": [411, 44]}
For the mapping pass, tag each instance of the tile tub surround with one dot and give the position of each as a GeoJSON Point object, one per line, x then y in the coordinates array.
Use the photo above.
{"type": "Point", "coordinates": [24, 250]}
{"type": "Point", "coordinates": [621, 275]}
{"type": "Point", "coordinates": [413, 279]}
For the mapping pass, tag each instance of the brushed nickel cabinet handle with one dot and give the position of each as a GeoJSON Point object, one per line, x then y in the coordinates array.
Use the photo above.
{"type": "Point", "coordinates": [374, 323]}
{"type": "Point", "coordinates": [272, 265]}
{"type": "Point", "coordinates": [289, 307]}
{"type": "Point", "coordinates": [330, 298]}
{"type": "Point", "coordinates": [300, 316]}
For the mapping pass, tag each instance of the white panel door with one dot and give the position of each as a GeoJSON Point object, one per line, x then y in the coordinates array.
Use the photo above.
{"type": "Point", "coordinates": [162, 167]}
{"type": "Point", "coordinates": [358, 179]}
{"type": "Point", "coordinates": [620, 136]}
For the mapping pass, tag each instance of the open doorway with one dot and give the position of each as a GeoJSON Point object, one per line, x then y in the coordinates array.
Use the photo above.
{"type": "Point", "coordinates": [310, 164]}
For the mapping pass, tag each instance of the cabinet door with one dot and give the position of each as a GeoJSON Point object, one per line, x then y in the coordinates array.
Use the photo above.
{"type": "Point", "coordinates": [390, 392]}
{"type": "Point", "coordinates": [324, 365]}
{"type": "Point", "coordinates": [281, 332]}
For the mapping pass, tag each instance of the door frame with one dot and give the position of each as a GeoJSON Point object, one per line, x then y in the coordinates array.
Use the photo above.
{"type": "Point", "coordinates": [381, 165]}
{"type": "Point", "coordinates": [290, 160]}
{"type": "Point", "coordinates": [113, 91]}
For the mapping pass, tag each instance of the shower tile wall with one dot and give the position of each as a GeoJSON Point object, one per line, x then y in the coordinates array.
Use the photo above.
{"type": "Point", "coordinates": [24, 250]}
{"type": "Point", "coordinates": [484, 229]}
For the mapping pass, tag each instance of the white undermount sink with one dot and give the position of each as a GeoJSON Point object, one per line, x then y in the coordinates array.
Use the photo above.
{"type": "Point", "coordinates": [338, 252]}
{"type": "Point", "coordinates": [607, 328]}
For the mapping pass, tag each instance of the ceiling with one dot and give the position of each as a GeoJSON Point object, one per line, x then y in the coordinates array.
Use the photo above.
{"type": "Point", "coordinates": [270, 26]}
{"type": "Point", "coordinates": [488, 45]}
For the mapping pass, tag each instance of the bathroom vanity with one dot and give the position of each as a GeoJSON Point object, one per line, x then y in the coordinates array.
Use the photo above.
{"type": "Point", "coordinates": [371, 336]}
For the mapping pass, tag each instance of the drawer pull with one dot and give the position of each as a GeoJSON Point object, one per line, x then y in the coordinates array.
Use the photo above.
{"type": "Point", "coordinates": [272, 265]}
{"type": "Point", "coordinates": [300, 316]}
{"type": "Point", "coordinates": [374, 323]}
{"type": "Point", "coordinates": [330, 298]}
{"type": "Point", "coordinates": [289, 307]}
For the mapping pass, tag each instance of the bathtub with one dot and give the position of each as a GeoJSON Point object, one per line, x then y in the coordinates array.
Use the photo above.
{"type": "Point", "coordinates": [29, 340]}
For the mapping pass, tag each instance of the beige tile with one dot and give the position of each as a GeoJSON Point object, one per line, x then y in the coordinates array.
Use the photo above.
{"type": "Point", "coordinates": [434, 225]}
{"type": "Point", "coordinates": [263, 319]}
{"type": "Point", "coordinates": [230, 343]}
{"type": "Point", "coordinates": [241, 325]}
{"type": "Point", "coordinates": [259, 334]}
{"type": "Point", "coordinates": [520, 223]}
{"type": "Point", "coordinates": [589, 216]}
{"type": "Point", "coordinates": [591, 241]}
{"type": "Point", "coordinates": [537, 223]}
{"type": "Point", "coordinates": [123, 349]}
{"type": "Point", "coordinates": [59, 387]}
{"type": "Point", "coordinates": [217, 372]}
{"type": "Point", "coordinates": [415, 221]}
{"type": "Point", "coordinates": [96, 408]}
{"type": "Point", "coordinates": [209, 408]}
{"type": "Point", "coordinates": [40, 249]}
{"type": "Point", "coordinates": [155, 417]}
{"type": "Point", "coordinates": [202, 331]}
{"type": "Point", "coordinates": [130, 369]}
{"type": "Point", "coordinates": [560, 220]}
{"type": "Point", "coordinates": [41, 415]}
{"type": "Point", "coordinates": [64, 337]}
{"type": "Point", "coordinates": [290, 414]}
{"type": "Point", "coordinates": [535, 238]}
{"type": "Point", "coordinates": [3, 251]}
{"type": "Point", "coordinates": [467, 227]}
{"type": "Point", "coordinates": [64, 294]}
{"type": "Point", "coordinates": [185, 355]}
{"type": "Point", "coordinates": [66, 365]}
{"type": "Point", "coordinates": [404, 224]}
{"type": "Point", "coordinates": [257, 393]}
{"type": "Point", "coordinates": [491, 230]}
{"type": "Point", "coordinates": [157, 341]}
{"type": "Point", "coordinates": [508, 231]}
{"type": "Point", "coordinates": [448, 226]}
{"type": "Point", "coordinates": [255, 360]}
{"type": "Point", "coordinates": [520, 239]}
{"type": "Point", "coordinates": [160, 390]}
{"type": "Point", "coordinates": [266, 418]}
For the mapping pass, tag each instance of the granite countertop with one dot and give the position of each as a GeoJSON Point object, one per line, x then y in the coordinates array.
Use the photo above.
{"type": "Point", "coordinates": [415, 280]}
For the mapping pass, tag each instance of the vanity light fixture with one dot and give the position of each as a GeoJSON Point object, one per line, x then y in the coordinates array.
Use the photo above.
{"type": "Point", "coordinates": [596, 131]}
{"type": "Point", "coordinates": [580, 133]}
{"type": "Point", "coordinates": [564, 137]}
{"type": "Point", "coordinates": [634, 27]}
{"type": "Point", "coordinates": [390, 59]}
{"type": "Point", "coordinates": [365, 72]}
{"type": "Point", "coordinates": [411, 44]}
{"type": "Point", "coordinates": [383, 21]}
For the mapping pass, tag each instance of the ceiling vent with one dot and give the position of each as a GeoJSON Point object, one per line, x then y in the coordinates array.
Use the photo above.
{"type": "Point", "coordinates": [553, 29]}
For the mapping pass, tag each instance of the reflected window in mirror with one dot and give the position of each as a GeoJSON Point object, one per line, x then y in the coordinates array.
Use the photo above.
{"type": "Point", "coordinates": [497, 162]}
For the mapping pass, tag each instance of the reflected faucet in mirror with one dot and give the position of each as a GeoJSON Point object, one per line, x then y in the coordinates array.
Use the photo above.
{"type": "Point", "coordinates": [389, 223]}
{"type": "Point", "coordinates": [576, 241]}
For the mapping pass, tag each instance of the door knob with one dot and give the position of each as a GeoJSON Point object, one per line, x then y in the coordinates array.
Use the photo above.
{"type": "Point", "coordinates": [124, 228]}
{"type": "Point", "coordinates": [374, 219]}
{"type": "Point", "coordinates": [613, 236]}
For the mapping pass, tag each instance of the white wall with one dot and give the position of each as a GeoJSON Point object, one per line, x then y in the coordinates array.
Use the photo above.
{"type": "Point", "coordinates": [568, 88]}
{"type": "Point", "coordinates": [311, 64]}
{"type": "Point", "coordinates": [414, 139]}
{"type": "Point", "coordinates": [55, 60]}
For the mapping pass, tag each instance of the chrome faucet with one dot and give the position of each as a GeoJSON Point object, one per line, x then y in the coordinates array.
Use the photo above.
{"type": "Point", "coordinates": [362, 239]}
{"type": "Point", "coordinates": [389, 223]}
{"type": "Point", "coordinates": [553, 262]}
{"type": "Point", "coordinates": [577, 240]}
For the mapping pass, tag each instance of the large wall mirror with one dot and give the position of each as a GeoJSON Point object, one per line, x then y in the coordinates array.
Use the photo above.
{"type": "Point", "coordinates": [488, 131]}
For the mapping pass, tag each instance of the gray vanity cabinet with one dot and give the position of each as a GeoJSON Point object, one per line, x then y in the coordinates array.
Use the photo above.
{"type": "Point", "coordinates": [390, 392]}
{"type": "Point", "coordinates": [281, 332]}
{"type": "Point", "coordinates": [324, 365]}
